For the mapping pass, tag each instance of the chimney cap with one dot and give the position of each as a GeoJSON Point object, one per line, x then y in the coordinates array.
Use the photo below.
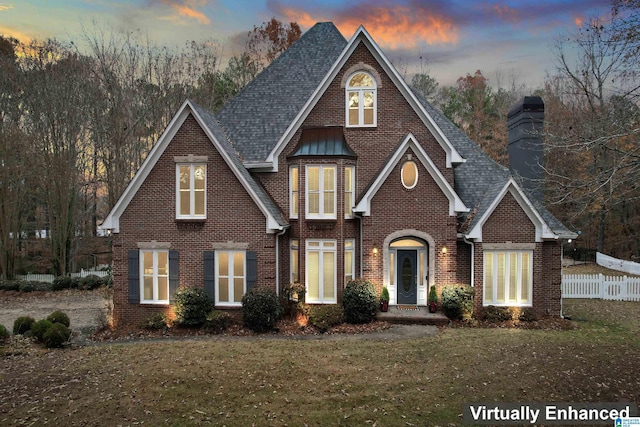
{"type": "Point", "coordinates": [526, 104]}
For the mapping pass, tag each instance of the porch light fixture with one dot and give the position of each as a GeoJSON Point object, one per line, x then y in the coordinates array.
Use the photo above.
{"type": "Point", "coordinates": [375, 250]}
{"type": "Point", "coordinates": [444, 250]}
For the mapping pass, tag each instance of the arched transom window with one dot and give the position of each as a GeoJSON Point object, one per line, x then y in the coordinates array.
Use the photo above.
{"type": "Point", "coordinates": [361, 100]}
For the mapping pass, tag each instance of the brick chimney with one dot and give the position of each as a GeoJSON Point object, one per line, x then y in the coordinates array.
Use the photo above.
{"type": "Point", "coordinates": [526, 152]}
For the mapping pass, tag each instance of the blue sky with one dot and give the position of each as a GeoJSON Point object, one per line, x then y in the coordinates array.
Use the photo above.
{"type": "Point", "coordinates": [506, 40]}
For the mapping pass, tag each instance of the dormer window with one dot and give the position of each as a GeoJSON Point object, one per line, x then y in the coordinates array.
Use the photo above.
{"type": "Point", "coordinates": [361, 100]}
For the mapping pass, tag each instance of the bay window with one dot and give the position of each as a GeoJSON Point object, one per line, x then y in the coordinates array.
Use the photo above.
{"type": "Point", "coordinates": [320, 192]}
{"type": "Point", "coordinates": [321, 271]}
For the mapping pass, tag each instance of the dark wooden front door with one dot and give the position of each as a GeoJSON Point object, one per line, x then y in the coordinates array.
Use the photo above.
{"type": "Point", "coordinates": [407, 274]}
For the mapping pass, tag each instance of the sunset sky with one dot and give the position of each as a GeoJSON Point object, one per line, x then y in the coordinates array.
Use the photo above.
{"type": "Point", "coordinates": [447, 38]}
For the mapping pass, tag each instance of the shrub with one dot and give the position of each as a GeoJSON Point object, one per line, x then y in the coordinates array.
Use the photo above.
{"type": "Point", "coordinates": [191, 306]}
{"type": "Point", "coordinates": [324, 317]}
{"type": "Point", "coordinates": [90, 282]}
{"type": "Point", "coordinates": [359, 301]}
{"type": "Point", "coordinates": [496, 314]}
{"type": "Point", "coordinates": [156, 321]}
{"type": "Point", "coordinates": [26, 286]}
{"type": "Point", "coordinates": [433, 295]}
{"type": "Point", "coordinates": [59, 317]}
{"type": "Point", "coordinates": [10, 285]}
{"type": "Point", "coordinates": [260, 309]}
{"type": "Point", "coordinates": [457, 301]}
{"type": "Point", "coordinates": [22, 325]}
{"type": "Point", "coordinates": [61, 282]}
{"type": "Point", "coordinates": [217, 321]}
{"type": "Point", "coordinates": [56, 335]}
{"type": "Point", "coordinates": [74, 282]}
{"type": "Point", "coordinates": [4, 333]}
{"type": "Point", "coordinates": [384, 296]}
{"type": "Point", "coordinates": [528, 315]}
{"type": "Point", "coordinates": [39, 328]}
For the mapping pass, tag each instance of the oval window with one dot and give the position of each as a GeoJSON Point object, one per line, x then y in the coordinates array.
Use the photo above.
{"type": "Point", "coordinates": [409, 174]}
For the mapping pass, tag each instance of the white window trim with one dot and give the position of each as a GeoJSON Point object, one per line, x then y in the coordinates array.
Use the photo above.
{"type": "Point", "coordinates": [295, 246]}
{"type": "Point", "coordinates": [321, 191]}
{"type": "Point", "coordinates": [361, 91]}
{"type": "Point", "coordinates": [351, 193]}
{"type": "Point", "coordinates": [351, 250]}
{"type": "Point", "coordinates": [417, 171]}
{"type": "Point", "coordinates": [230, 277]}
{"type": "Point", "coordinates": [494, 285]}
{"type": "Point", "coordinates": [192, 198]}
{"type": "Point", "coordinates": [321, 250]}
{"type": "Point", "coordinates": [293, 210]}
{"type": "Point", "coordinates": [155, 299]}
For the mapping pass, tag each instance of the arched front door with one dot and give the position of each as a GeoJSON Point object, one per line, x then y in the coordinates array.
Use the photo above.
{"type": "Point", "coordinates": [407, 277]}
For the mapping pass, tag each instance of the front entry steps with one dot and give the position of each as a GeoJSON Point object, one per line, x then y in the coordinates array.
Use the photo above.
{"type": "Point", "coordinates": [412, 315]}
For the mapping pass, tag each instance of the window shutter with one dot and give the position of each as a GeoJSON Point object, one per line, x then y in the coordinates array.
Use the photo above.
{"type": "Point", "coordinates": [174, 274]}
{"type": "Point", "coordinates": [134, 276]}
{"type": "Point", "coordinates": [252, 269]}
{"type": "Point", "coordinates": [209, 274]}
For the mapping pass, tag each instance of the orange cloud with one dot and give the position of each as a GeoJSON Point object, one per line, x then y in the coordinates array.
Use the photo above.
{"type": "Point", "coordinates": [187, 8]}
{"type": "Point", "coordinates": [18, 35]}
{"type": "Point", "coordinates": [395, 27]}
{"type": "Point", "coordinates": [578, 21]}
{"type": "Point", "coordinates": [5, 7]}
{"type": "Point", "coordinates": [505, 12]}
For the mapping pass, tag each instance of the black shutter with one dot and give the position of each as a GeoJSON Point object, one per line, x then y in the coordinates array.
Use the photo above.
{"type": "Point", "coordinates": [209, 274]}
{"type": "Point", "coordinates": [134, 276]}
{"type": "Point", "coordinates": [174, 274]}
{"type": "Point", "coordinates": [252, 269]}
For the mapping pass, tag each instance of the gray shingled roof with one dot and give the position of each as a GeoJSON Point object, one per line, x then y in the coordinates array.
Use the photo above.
{"type": "Point", "coordinates": [213, 125]}
{"type": "Point", "coordinates": [258, 116]}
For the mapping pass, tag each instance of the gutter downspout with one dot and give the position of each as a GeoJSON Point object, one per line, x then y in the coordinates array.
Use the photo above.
{"type": "Point", "coordinates": [464, 239]}
{"type": "Point", "coordinates": [284, 230]}
{"type": "Point", "coordinates": [359, 216]}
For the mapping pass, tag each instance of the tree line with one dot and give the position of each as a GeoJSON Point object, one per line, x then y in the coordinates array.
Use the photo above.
{"type": "Point", "coordinates": [75, 124]}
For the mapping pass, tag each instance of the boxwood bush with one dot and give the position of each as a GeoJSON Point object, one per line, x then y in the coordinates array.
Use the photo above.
{"type": "Point", "coordinates": [39, 328]}
{"type": "Point", "coordinates": [191, 306]}
{"type": "Point", "coordinates": [217, 321]}
{"type": "Point", "coordinates": [359, 301]}
{"type": "Point", "coordinates": [22, 325]}
{"type": "Point", "coordinates": [261, 309]}
{"type": "Point", "coordinates": [4, 334]}
{"type": "Point", "coordinates": [457, 301]}
{"type": "Point", "coordinates": [56, 336]}
{"type": "Point", "coordinates": [324, 317]}
{"type": "Point", "coordinates": [59, 317]}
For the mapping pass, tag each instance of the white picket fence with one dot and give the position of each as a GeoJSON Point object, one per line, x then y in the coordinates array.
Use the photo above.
{"type": "Point", "coordinates": [621, 288]}
{"type": "Point", "coordinates": [617, 264]}
{"type": "Point", "coordinates": [48, 278]}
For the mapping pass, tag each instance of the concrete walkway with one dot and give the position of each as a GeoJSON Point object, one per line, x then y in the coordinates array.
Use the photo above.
{"type": "Point", "coordinates": [412, 315]}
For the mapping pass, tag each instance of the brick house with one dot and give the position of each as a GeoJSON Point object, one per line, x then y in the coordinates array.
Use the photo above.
{"type": "Point", "coordinates": [325, 168]}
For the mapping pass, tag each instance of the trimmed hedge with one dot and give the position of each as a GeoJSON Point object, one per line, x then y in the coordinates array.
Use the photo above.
{"type": "Point", "coordinates": [324, 317]}
{"type": "Point", "coordinates": [22, 325]}
{"type": "Point", "coordinates": [261, 309]}
{"type": "Point", "coordinates": [191, 306]}
{"type": "Point", "coordinates": [59, 317]}
{"type": "Point", "coordinates": [39, 328]}
{"type": "Point", "coordinates": [217, 321]}
{"type": "Point", "coordinates": [56, 336]}
{"type": "Point", "coordinates": [359, 301]}
{"type": "Point", "coordinates": [457, 301]}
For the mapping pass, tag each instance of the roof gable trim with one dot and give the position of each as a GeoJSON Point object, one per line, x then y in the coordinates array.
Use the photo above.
{"type": "Point", "coordinates": [455, 203]}
{"type": "Point", "coordinates": [362, 36]}
{"type": "Point", "coordinates": [543, 231]}
{"type": "Point", "coordinates": [112, 221]}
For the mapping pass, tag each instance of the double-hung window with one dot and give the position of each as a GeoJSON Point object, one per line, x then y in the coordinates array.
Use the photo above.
{"type": "Point", "coordinates": [294, 193]}
{"type": "Point", "coordinates": [320, 192]}
{"type": "Point", "coordinates": [231, 275]}
{"type": "Point", "coordinates": [154, 275]}
{"type": "Point", "coordinates": [361, 100]}
{"type": "Point", "coordinates": [349, 191]}
{"type": "Point", "coordinates": [191, 191]}
{"type": "Point", "coordinates": [321, 271]}
{"type": "Point", "coordinates": [508, 277]}
{"type": "Point", "coordinates": [349, 260]}
{"type": "Point", "coordinates": [295, 266]}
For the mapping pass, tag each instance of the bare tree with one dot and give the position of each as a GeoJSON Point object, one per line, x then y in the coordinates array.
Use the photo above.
{"type": "Point", "coordinates": [592, 136]}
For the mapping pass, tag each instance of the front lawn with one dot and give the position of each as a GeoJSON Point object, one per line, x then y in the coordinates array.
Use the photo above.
{"type": "Point", "coordinates": [266, 381]}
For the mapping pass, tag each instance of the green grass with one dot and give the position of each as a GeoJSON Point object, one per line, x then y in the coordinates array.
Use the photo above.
{"type": "Point", "coordinates": [277, 382]}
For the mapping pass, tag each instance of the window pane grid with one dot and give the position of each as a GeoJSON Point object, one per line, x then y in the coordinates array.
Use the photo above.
{"type": "Point", "coordinates": [321, 271]}
{"type": "Point", "coordinates": [191, 192]}
{"type": "Point", "coordinates": [361, 100]}
{"type": "Point", "coordinates": [321, 192]}
{"type": "Point", "coordinates": [154, 272]}
{"type": "Point", "coordinates": [507, 277]}
{"type": "Point", "coordinates": [230, 277]}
